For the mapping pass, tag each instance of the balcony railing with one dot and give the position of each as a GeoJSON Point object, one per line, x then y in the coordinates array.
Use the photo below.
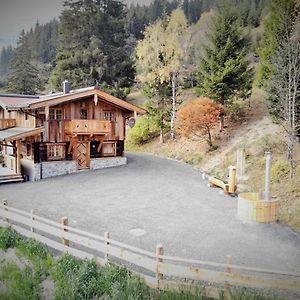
{"type": "Point", "coordinates": [7, 123]}
{"type": "Point", "coordinates": [89, 127]}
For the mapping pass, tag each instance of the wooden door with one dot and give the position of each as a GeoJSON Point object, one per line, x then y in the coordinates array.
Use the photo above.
{"type": "Point", "coordinates": [82, 154]}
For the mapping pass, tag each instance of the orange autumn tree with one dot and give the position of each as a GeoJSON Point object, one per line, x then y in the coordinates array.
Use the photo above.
{"type": "Point", "coordinates": [199, 116]}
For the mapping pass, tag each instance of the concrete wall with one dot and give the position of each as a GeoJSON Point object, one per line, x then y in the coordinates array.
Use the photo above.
{"type": "Point", "coordinates": [107, 162]}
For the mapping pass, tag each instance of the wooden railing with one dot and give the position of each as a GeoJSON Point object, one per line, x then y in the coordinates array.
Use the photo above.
{"type": "Point", "coordinates": [158, 270]}
{"type": "Point", "coordinates": [88, 127]}
{"type": "Point", "coordinates": [7, 123]}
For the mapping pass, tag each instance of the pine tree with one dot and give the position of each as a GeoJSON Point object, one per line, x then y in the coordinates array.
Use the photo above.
{"type": "Point", "coordinates": [93, 42]}
{"type": "Point", "coordinates": [23, 78]}
{"type": "Point", "coordinates": [280, 19]}
{"type": "Point", "coordinates": [224, 71]}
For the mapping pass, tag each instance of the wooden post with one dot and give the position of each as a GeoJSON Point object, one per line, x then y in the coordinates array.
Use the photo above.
{"type": "Point", "coordinates": [240, 163]}
{"type": "Point", "coordinates": [232, 180]}
{"type": "Point", "coordinates": [46, 132]}
{"type": "Point", "coordinates": [5, 203]}
{"type": "Point", "coordinates": [106, 241]}
{"type": "Point", "coordinates": [159, 252]}
{"type": "Point", "coordinates": [65, 222]}
{"type": "Point", "coordinates": [268, 176]}
{"type": "Point", "coordinates": [32, 219]}
{"type": "Point", "coordinates": [18, 157]}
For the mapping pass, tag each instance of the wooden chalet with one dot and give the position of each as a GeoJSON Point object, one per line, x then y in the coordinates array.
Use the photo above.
{"type": "Point", "coordinates": [45, 136]}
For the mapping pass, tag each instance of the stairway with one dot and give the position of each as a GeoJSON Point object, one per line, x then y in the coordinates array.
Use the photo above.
{"type": "Point", "coordinates": [11, 178]}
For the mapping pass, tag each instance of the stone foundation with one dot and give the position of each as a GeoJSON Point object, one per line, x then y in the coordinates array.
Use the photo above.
{"type": "Point", "coordinates": [57, 168]}
{"type": "Point", "coordinates": [107, 162]}
{"type": "Point", "coordinates": [54, 168]}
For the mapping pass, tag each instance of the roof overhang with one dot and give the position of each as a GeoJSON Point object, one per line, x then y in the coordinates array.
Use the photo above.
{"type": "Point", "coordinates": [18, 133]}
{"type": "Point", "coordinates": [85, 94]}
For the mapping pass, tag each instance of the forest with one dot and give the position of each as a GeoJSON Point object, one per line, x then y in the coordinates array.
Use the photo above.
{"type": "Point", "coordinates": [222, 50]}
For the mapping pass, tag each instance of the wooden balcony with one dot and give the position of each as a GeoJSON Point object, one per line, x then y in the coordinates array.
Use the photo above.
{"type": "Point", "coordinates": [89, 127]}
{"type": "Point", "coordinates": [7, 123]}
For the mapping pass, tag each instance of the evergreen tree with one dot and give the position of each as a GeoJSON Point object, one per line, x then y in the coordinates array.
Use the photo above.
{"type": "Point", "coordinates": [5, 60]}
{"type": "Point", "coordinates": [93, 46]}
{"type": "Point", "coordinates": [280, 20]}
{"type": "Point", "coordinates": [224, 71]}
{"type": "Point", "coordinates": [23, 78]}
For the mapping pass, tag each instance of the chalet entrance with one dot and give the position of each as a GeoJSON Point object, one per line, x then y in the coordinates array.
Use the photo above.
{"type": "Point", "coordinates": [82, 154]}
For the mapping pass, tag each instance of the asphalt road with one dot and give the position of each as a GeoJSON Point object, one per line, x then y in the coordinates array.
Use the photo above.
{"type": "Point", "coordinates": [154, 200]}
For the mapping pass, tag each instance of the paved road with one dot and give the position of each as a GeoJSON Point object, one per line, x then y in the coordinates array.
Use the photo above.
{"type": "Point", "coordinates": [170, 202]}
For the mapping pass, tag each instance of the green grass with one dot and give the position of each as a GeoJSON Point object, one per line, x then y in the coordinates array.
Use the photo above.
{"type": "Point", "coordinates": [80, 279]}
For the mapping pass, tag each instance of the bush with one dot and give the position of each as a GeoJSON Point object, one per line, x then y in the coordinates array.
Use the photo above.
{"type": "Point", "coordinates": [194, 159]}
{"type": "Point", "coordinates": [145, 129]}
{"type": "Point", "coordinates": [280, 169]}
{"type": "Point", "coordinates": [9, 238]}
{"type": "Point", "coordinates": [235, 111]}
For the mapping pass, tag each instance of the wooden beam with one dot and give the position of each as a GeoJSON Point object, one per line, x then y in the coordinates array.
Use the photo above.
{"type": "Point", "coordinates": [18, 157]}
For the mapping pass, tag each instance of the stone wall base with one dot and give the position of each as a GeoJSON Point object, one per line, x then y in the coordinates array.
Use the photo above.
{"type": "Point", "coordinates": [57, 168]}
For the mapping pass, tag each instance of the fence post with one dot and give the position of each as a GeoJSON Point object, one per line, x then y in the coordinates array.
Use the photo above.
{"type": "Point", "coordinates": [106, 254]}
{"type": "Point", "coordinates": [228, 270]}
{"type": "Point", "coordinates": [159, 252]}
{"type": "Point", "coordinates": [32, 219]}
{"type": "Point", "coordinates": [5, 203]}
{"type": "Point", "coordinates": [65, 222]}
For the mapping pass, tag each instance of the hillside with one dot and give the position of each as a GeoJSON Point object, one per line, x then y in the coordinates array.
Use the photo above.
{"type": "Point", "coordinates": [256, 133]}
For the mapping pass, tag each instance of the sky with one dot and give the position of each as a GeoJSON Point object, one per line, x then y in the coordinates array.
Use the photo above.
{"type": "Point", "coordinates": [16, 15]}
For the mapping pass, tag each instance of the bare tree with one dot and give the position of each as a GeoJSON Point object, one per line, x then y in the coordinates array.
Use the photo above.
{"type": "Point", "coordinates": [285, 89]}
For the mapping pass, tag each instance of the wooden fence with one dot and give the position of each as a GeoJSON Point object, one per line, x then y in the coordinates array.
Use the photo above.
{"type": "Point", "coordinates": [157, 269]}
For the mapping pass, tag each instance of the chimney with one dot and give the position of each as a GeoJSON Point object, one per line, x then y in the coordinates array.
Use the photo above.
{"type": "Point", "coordinates": [67, 87]}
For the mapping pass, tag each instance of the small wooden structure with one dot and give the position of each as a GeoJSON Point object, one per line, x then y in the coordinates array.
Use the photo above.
{"type": "Point", "coordinates": [43, 136]}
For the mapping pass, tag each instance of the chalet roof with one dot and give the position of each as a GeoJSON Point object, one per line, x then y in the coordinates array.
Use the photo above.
{"type": "Point", "coordinates": [12, 102]}
{"type": "Point", "coordinates": [18, 133]}
{"type": "Point", "coordinates": [16, 101]}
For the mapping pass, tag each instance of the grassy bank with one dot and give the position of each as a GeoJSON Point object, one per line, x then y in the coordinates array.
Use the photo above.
{"type": "Point", "coordinates": [252, 130]}
{"type": "Point", "coordinates": [29, 271]}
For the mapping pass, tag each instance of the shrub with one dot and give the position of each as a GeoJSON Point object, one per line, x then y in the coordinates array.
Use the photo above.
{"type": "Point", "coordinates": [280, 169]}
{"type": "Point", "coordinates": [194, 159]}
{"type": "Point", "coordinates": [199, 116]}
{"type": "Point", "coordinates": [235, 111]}
{"type": "Point", "coordinates": [145, 129]}
{"type": "Point", "coordinates": [9, 238]}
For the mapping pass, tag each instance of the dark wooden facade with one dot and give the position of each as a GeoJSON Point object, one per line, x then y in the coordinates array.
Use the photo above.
{"type": "Point", "coordinates": [78, 126]}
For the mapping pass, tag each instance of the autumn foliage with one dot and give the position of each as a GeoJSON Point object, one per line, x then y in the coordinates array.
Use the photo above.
{"type": "Point", "coordinates": [198, 117]}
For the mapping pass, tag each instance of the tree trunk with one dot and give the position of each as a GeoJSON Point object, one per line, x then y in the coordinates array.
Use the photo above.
{"type": "Point", "coordinates": [221, 122]}
{"type": "Point", "coordinates": [161, 135]}
{"type": "Point", "coordinates": [173, 113]}
{"type": "Point", "coordinates": [209, 137]}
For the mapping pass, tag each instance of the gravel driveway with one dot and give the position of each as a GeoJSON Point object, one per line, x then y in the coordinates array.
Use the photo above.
{"type": "Point", "coordinates": [154, 200]}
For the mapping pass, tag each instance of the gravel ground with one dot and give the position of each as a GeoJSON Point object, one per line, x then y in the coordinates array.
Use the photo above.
{"type": "Point", "coordinates": [154, 200]}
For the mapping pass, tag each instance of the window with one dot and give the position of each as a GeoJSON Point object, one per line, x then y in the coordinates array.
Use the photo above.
{"type": "Point", "coordinates": [56, 152]}
{"type": "Point", "coordinates": [55, 114]}
{"type": "Point", "coordinates": [26, 116]}
{"type": "Point", "coordinates": [83, 114]}
{"type": "Point", "coordinates": [109, 116]}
